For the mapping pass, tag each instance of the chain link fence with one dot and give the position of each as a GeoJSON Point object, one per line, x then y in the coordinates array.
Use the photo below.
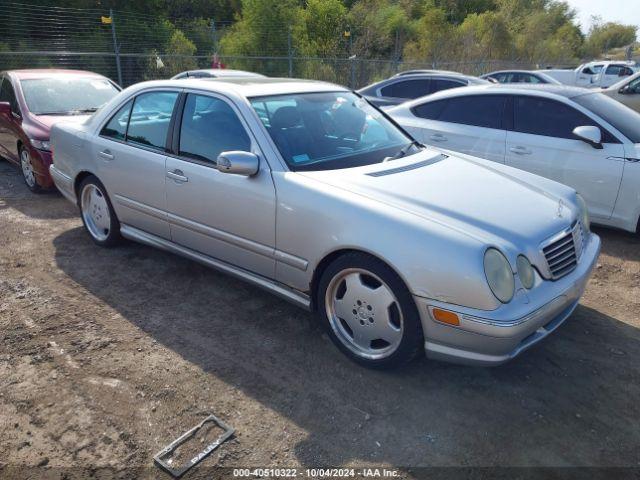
{"type": "Point", "coordinates": [138, 67]}
{"type": "Point", "coordinates": [132, 47]}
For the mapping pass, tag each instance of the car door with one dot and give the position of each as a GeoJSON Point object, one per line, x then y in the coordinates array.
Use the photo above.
{"type": "Point", "coordinates": [225, 216]}
{"type": "Point", "coordinates": [586, 75]}
{"type": "Point", "coordinates": [613, 74]}
{"type": "Point", "coordinates": [10, 124]}
{"type": "Point", "coordinates": [130, 153]}
{"type": "Point", "coordinates": [630, 94]}
{"type": "Point", "coordinates": [471, 124]}
{"type": "Point", "coordinates": [541, 141]}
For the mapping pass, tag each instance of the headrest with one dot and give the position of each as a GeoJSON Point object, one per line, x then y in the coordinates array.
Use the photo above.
{"type": "Point", "coordinates": [286, 117]}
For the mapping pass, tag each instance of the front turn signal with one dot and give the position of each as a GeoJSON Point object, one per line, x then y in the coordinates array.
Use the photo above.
{"type": "Point", "coordinates": [444, 316]}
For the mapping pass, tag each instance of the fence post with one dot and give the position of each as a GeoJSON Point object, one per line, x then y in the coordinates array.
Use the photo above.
{"type": "Point", "coordinates": [290, 52]}
{"type": "Point", "coordinates": [116, 48]}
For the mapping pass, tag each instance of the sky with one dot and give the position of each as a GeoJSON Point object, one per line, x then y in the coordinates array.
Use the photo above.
{"type": "Point", "coordinates": [624, 11]}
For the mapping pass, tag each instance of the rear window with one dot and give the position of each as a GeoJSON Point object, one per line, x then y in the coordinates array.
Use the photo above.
{"type": "Point", "coordinates": [624, 119]}
{"type": "Point", "coordinates": [415, 88]}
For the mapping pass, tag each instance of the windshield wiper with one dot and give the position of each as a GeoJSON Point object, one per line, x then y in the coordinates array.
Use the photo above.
{"type": "Point", "coordinates": [71, 112]}
{"type": "Point", "coordinates": [404, 150]}
{"type": "Point", "coordinates": [80, 111]}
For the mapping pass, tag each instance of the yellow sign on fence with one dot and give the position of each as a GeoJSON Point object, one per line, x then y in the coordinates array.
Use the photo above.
{"type": "Point", "coordinates": [106, 20]}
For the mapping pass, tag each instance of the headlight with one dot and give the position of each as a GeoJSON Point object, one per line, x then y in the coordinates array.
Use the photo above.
{"type": "Point", "coordinates": [584, 212]}
{"type": "Point", "coordinates": [41, 144]}
{"type": "Point", "coordinates": [525, 272]}
{"type": "Point", "coordinates": [499, 275]}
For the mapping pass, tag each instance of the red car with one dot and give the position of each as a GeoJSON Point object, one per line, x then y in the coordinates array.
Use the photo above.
{"type": "Point", "coordinates": [31, 101]}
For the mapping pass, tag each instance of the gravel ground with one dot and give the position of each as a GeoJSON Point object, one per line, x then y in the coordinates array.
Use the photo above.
{"type": "Point", "coordinates": [109, 354]}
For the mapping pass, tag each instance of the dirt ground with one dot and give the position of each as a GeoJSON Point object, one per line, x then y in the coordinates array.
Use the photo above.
{"type": "Point", "coordinates": [109, 354]}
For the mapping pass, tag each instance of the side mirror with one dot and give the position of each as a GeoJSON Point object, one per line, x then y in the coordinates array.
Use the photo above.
{"type": "Point", "coordinates": [589, 134]}
{"type": "Point", "coordinates": [5, 108]}
{"type": "Point", "coordinates": [239, 163]}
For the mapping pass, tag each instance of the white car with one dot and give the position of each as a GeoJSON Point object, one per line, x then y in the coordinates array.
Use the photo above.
{"type": "Point", "coordinates": [599, 74]}
{"type": "Point", "coordinates": [577, 137]}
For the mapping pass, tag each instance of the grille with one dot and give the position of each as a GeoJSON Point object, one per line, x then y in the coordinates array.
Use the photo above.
{"type": "Point", "coordinates": [563, 254]}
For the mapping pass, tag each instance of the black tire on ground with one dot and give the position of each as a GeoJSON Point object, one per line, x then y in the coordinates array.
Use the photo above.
{"type": "Point", "coordinates": [113, 237]}
{"type": "Point", "coordinates": [411, 344]}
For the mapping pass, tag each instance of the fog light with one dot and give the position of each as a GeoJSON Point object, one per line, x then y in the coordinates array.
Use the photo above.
{"type": "Point", "coordinates": [445, 316]}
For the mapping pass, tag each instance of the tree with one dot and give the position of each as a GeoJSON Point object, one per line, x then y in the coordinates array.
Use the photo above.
{"type": "Point", "coordinates": [434, 38]}
{"type": "Point", "coordinates": [605, 36]}
{"type": "Point", "coordinates": [180, 50]}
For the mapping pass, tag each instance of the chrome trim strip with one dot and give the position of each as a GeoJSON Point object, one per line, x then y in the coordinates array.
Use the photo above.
{"type": "Point", "coordinates": [140, 207]}
{"type": "Point", "coordinates": [221, 235]}
{"type": "Point", "coordinates": [294, 296]}
{"type": "Point", "coordinates": [292, 260]}
{"type": "Point", "coordinates": [241, 242]}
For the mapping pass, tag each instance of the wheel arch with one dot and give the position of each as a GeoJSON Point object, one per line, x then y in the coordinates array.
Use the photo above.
{"type": "Point", "coordinates": [322, 265]}
{"type": "Point", "coordinates": [79, 179]}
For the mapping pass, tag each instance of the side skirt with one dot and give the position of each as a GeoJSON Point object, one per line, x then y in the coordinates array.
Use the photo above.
{"type": "Point", "coordinates": [294, 296]}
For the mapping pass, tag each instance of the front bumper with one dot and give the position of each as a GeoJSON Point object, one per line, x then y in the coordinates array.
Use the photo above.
{"type": "Point", "coordinates": [488, 338]}
{"type": "Point", "coordinates": [41, 161]}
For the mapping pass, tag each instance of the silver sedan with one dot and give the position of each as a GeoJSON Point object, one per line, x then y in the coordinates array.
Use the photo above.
{"type": "Point", "coordinates": [305, 189]}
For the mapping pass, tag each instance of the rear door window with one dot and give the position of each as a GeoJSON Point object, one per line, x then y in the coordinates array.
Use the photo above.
{"type": "Point", "coordinates": [438, 84]}
{"type": "Point", "coordinates": [150, 118]}
{"type": "Point", "coordinates": [430, 110]}
{"type": "Point", "coordinates": [415, 88]}
{"type": "Point", "coordinates": [477, 110]}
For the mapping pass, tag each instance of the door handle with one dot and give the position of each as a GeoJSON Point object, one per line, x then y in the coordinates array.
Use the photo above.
{"type": "Point", "coordinates": [106, 154]}
{"type": "Point", "coordinates": [178, 176]}
{"type": "Point", "coordinates": [520, 150]}
{"type": "Point", "coordinates": [437, 137]}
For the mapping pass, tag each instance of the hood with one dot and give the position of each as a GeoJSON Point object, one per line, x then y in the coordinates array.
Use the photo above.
{"type": "Point", "coordinates": [47, 121]}
{"type": "Point", "coordinates": [488, 201]}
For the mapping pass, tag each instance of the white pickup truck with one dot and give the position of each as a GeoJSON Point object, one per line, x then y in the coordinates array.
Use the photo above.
{"type": "Point", "coordinates": [601, 74]}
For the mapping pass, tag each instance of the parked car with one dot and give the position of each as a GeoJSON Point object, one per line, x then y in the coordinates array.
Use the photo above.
{"type": "Point", "coordinates": [519, 76]}
{"type": "Point", "coordinates": [216, 73]}
{"type": "Point", "coordinates": [626, 91]}
{"type": "Point", "coordinates": [31, 101]}
{"type": "Point", "coordinates": [414, 84]}
{"type": "Point", "coordinates": [575, 136]}
{"type": "Point", "coordinates": [600, 74]}
{"type": "Point", "coordinates": [398, 247]}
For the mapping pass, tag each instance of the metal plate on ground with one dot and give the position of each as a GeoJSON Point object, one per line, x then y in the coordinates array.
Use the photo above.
{"type": "Point", "coordinates": [163, 460]}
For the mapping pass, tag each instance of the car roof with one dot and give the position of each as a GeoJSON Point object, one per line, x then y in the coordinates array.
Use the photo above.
{"type": "Point", "coordinates": [421, 71]}
{"type": "Point", "coordinates": [435, 74]}
{"type": "Point", "coordinates": [509, 71]}
{"type": "Point", "coordinates": [248, 86]}
{"type": "Point", "coordinates": [50, 72]}
{"type": "Point", "coordinates": [542, 90]}
{"type": "Point", "coordinates": [223, 72]}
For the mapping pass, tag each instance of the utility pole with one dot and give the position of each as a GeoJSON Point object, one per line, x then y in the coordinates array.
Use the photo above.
{"type": "Point", "coordinates": [116, 47]}
{"type": "Point", "coordinates": [290, 52]}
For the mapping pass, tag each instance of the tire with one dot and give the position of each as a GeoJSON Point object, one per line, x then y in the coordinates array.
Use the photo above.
{"type": "Point", "coordinates": [99, 218]}
{"type": "Point", "coordinates": [368, 312]}
{"type": "Point", "coordinates": [28, 172]}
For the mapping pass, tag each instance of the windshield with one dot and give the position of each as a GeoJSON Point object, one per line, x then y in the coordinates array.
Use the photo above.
{"type": "Point", "coordinates": [332, 130]}
{"type": "Point", "coordinates": [623, 118]}
{"type": "Point", "coordinates": [66, 95]}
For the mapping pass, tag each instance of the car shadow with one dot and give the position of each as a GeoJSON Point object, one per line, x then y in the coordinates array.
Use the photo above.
{"type": "Point", "coordinates": [567, 401]}
{"type": "Point", "coordinates": [619, 243]}
{"type": "Point", "coordinates": [49, 205]}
